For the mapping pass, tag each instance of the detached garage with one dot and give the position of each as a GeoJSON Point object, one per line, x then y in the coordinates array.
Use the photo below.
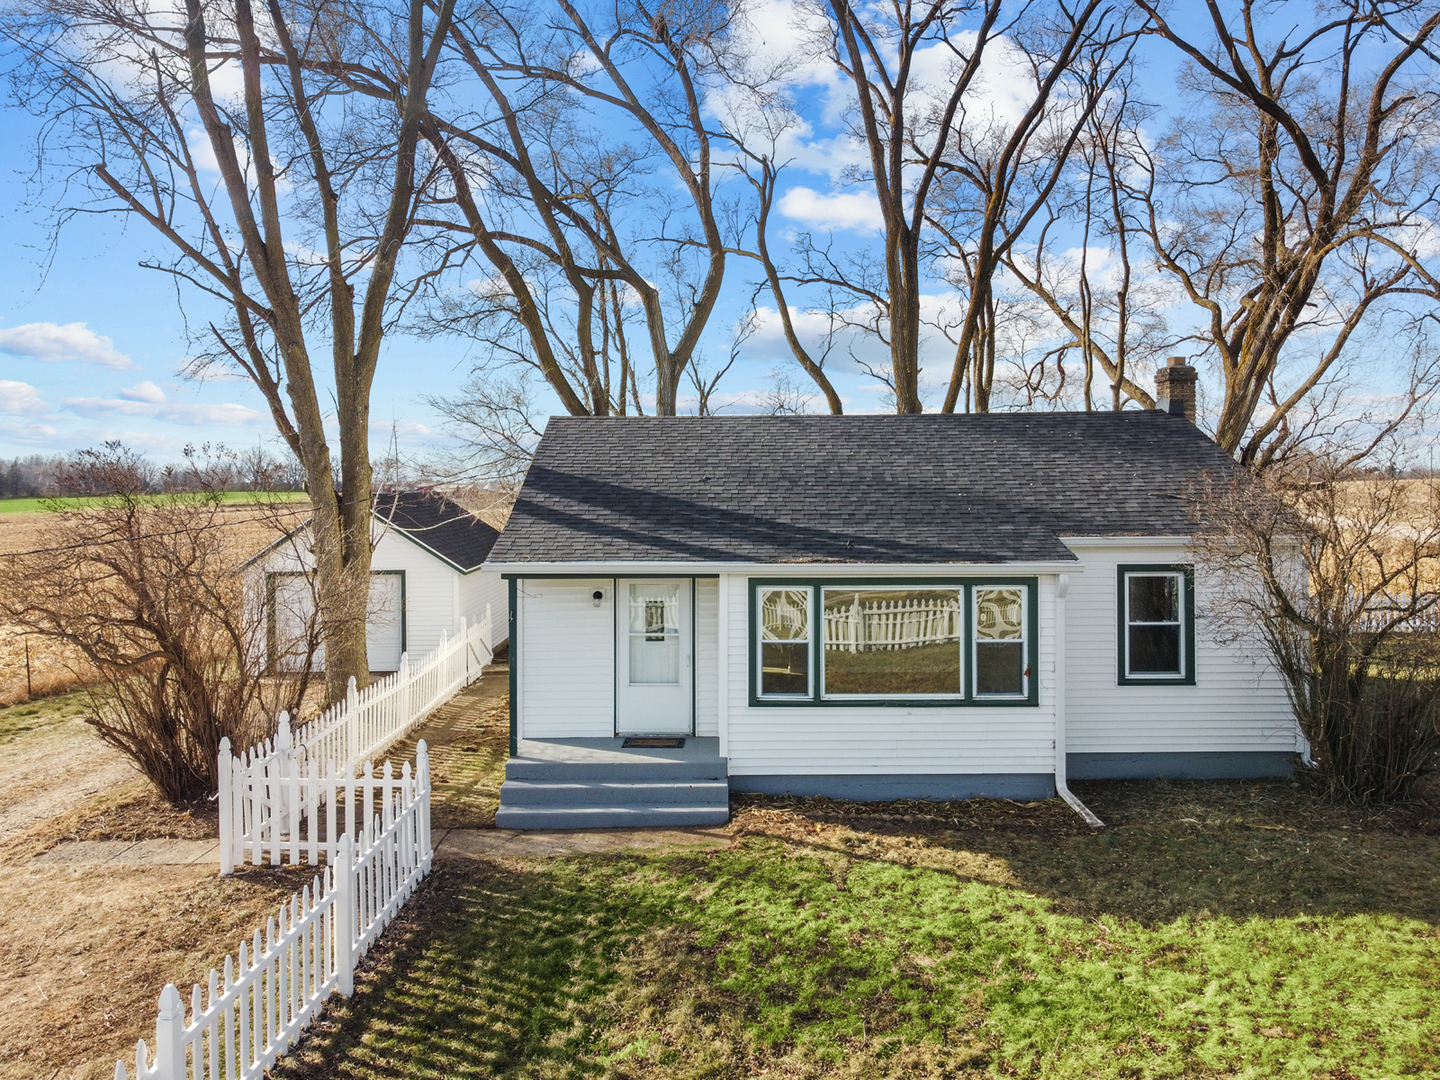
{"type": "Point", "coordinates": [424, 577]}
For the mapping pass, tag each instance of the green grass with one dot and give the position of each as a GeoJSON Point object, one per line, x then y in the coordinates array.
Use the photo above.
{"type": "Point", "coordinates": [924, 669]}
{"type": "Point", "coordinates": [33, 506]}
{"type": "Point", "coordinates": [1231, 929]}
{"type": "Point", "coordinates": [41, 716]}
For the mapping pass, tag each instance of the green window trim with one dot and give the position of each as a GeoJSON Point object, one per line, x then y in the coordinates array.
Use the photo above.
{"type": "Point", "coordinates": [1186, 573]}
{"type": "Point", "coordinates": [815, 696]}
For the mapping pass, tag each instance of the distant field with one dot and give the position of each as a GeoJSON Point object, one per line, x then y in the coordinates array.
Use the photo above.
{"type": "Point", "coordinates": [31, 506]}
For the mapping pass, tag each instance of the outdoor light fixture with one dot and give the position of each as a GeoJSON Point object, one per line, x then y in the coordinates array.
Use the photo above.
{"type": "Point", "coordinates": [596, 597]}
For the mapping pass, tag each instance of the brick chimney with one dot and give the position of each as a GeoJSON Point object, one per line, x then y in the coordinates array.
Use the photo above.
{"type": "Point", "coordinates": [1175, 388]}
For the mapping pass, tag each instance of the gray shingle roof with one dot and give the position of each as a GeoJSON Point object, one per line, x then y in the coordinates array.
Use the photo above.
{"type": "Point", "coordinates": [444, 527]}
{"type": "Point", "coordinates": [999, 487]}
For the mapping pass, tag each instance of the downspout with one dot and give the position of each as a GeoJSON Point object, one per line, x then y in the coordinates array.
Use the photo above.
{"type": "Point", "coordinates": [1062, 586]}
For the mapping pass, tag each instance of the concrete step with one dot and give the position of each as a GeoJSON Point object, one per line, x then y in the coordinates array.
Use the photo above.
{"type": "Point", "coordinates": [610, 817]}
{"type": "Point", "coordinates": [532, 793]}
{"type": "Point", "coordinates": [542, 770]}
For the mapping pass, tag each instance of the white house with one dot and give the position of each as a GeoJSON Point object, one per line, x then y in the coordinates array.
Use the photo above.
{"type": "Point", "coordinates": [425, 576]}
{"type": "Point", "coordinates": [866, 607]}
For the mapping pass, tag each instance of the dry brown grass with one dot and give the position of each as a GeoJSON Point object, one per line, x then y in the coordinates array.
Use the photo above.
{"type": "Point", "coordinates": [85, 950]}
{"type": "Point", "coordinates": [54, 668]}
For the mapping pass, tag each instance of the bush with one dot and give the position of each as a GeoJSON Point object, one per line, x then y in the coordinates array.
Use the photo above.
{"type": "Point", "coordinates": [143, 587]}
{"type": "Point", "coordinates": [1337, 572]}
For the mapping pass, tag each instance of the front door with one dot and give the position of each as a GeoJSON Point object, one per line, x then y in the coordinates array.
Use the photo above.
{"type": "Point", "coordinates": [654, 662]}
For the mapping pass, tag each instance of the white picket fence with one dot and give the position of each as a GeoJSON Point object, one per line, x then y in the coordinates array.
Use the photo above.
{"type": "Point", "coordinates": [249, 1015]}
{"type": "Point", "coordinates": [294, 796]}
{"type": "Point", "coordinates": [279, 805]}
{"type": "Point", "coordinates": [370, 721]}
{"type": "Point", "coordinates": [1377, 619]}
{"type": "Point", "coordinates": [865, 626]}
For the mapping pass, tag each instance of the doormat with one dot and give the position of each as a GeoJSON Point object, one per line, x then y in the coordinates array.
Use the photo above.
{"type": "Point", "coordinates": [653, 744]}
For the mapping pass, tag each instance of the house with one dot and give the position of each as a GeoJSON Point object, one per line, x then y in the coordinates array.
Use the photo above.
{"type": "Point", "coordinates": [866, 607]}
{"type": "Point", "coordinates": [425, 575]}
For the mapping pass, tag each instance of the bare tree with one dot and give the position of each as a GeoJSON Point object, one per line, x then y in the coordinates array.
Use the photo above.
{"type": "Point", "coordinates": [1109, 309]}
{"type": "Point", "coordinates": [586, 185]}
{"type": "Point", "coordinates": [276, 158]}
{"type": "Point", "coordinates": [906, 128]}
{"type": "Point", "coordinates": [1293, 204]}
{"type": "Point", "coordinates": [999, 174]}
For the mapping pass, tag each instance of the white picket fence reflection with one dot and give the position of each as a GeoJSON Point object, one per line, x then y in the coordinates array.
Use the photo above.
{"type": "Point", "coordinates": [866, 626]}
{"type": "Point", "coordinates": [248, 1015]}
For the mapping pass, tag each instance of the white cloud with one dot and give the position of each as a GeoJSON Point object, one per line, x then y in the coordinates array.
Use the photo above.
{"type": "Point", "coordinates": [146, 391]}
{"type": "Point", "coordinates": [27, 433]}
{"type": "Point", "coordinates": [193, 413]}
{"type": "Point", "coordinates": [841, 210]}
{"type": "Point", "coordinates": [20, 399]}
{"type": "Point", "coordinates": [59, 344]}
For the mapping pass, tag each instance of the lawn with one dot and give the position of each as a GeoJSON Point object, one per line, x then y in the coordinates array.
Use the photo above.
{"type": "Point", "coordinates": [1236, 929]}
{"type": "Point", "coordinates": [32, 506]}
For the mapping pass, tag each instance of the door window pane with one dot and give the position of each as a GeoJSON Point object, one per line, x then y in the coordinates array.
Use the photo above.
{"type": "Point", "coordinates": [892, 641]}
{"type": "Point", "coordinates": [1153, 618]}
{"type": "Point", "coordinates": [1001, 660]}
{"type": "Point", "coordinates": [654, 633]}
{"type": "Point", "coordinates": [784, 642]}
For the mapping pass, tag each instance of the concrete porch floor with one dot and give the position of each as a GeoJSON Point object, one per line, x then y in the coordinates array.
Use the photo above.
{"type": "Point", "coordinates": [696, 751]}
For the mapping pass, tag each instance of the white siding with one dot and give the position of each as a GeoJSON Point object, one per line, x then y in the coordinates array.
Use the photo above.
{"type": "Point", "coordinates": [566, 658]}
{"type": "Point", "coordinates": [707, 678]}
{"type": "Point", "coordinates": [1237, 703]}
{"type": "Point", "coordinates": [871, 740]}
{"type": "Point", "coordinates": [478, 589]}
{"type": "Point", "coordinates": [430, 588]}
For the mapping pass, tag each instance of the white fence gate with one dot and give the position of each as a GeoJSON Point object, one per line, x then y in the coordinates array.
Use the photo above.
{"type": "Point", "coordinates": [250, 1014]}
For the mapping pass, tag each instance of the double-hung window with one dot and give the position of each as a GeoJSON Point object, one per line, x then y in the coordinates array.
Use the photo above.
{"type": "Point", "coordinates": [858, 642]}
{"type": "Point", "coordinates": [1157, 625]}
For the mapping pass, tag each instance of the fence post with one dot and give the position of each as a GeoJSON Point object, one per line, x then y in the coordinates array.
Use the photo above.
{"type": "Point", "coordinates": [422, 789]}
{"type": "Point", "coordinates": [465, 651]}
{"type": "Point", "coordinates": [170, 1036]}
{"type": "Point", "coordinates": [345, 928]}
{"type": "Point", "coordinates": [487, 635]}
{"type": "Point", "coordinates": [405, 689]}
{"type": "Point", "coordinates": [352, 719]}
{"type": "Point", "coordinates": [224, 778]}
{"type": "Point", "coordinates": [281, 769]}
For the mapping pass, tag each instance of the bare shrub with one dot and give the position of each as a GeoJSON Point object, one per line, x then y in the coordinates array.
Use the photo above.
{"type": "Point", "coordinates": [143, 587]}
{"type": "Point", "coordinates": [1337, 570]}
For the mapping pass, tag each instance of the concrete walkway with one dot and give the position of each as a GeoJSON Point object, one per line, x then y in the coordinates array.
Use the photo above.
{"type": "Point", "coordinates": [134, 852]}
{"type": "Point", "coordinates": [449, 844]}
{"type": "Point", "coordinates": [487, 843]}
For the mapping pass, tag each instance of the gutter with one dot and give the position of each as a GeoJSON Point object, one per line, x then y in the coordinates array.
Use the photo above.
{"type": "Point", "coordinates": [1062, 586]}
{"type": "Point", "coordinates": [698, 568]}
